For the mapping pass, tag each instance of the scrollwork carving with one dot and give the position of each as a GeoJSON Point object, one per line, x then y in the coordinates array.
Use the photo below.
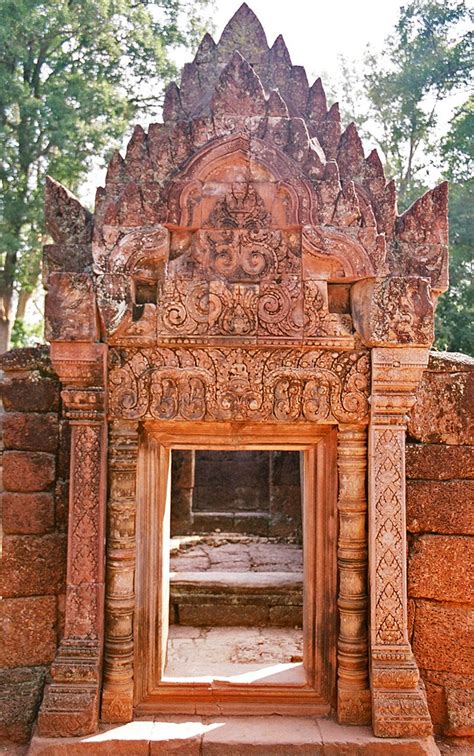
{"type": "Point", "coordinates": [184, 308]}
{"type": "Point", "coordinates": [318, 321]}
{"type": "Point", "coordinates": [239, 384]}
{"type": "Point", "coordinates": [246, 255]}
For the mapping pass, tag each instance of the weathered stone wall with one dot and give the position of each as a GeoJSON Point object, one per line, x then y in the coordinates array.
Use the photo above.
{"type": "Point", "coordinates": [34, 523]}
{"type": "Point", "coordinates": [249, 492]}
{"type": "Point", "coordinates": [440, 523]}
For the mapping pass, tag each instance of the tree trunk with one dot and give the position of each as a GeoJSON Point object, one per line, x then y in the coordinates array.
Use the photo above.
{"type": "Point", "coordinates": [5, 318]}
{"type": "Point", "coordinates": [23, 299]}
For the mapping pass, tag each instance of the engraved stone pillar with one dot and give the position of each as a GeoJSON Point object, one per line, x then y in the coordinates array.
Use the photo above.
{"type": "Point", "coordinates": [353, 693]}
{"type": "Point", "coordinates": [117, 696]}
{"type": "Point", "coordinates": [399, 705]}
{"type": "Point", "coordinates": [71, 701]}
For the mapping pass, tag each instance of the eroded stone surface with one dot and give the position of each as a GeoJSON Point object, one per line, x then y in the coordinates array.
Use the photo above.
{"type": "Point", "coordinates": [20, 692]}
{"type": "Point", "coordinates": [234, 554]}
{"type": "Point", "coordinates": [454, 625]}
{"type": "Point", "coordinates": [30, 432]}
{"type": "Point", "coordinates": [439, 462]}
{"type": "Point", "coordinates": [30, 395]}
{"type": "Point", "coordinates": [27, 513]}
{"type": "Point", "coordinates": [440, 507]}
{"type": "Point", "coordinates": [32, 565]}
{"type": "Point", "coordinates": [439, 567]}
{"type": "Point", "coordinates": [227, 651]}
{"type": "Point", "coordinates": [443, 410]}
{"type": "Point", "coordinates": [28, 631]}
{"type": "Point", "coordinates": [28, 471]}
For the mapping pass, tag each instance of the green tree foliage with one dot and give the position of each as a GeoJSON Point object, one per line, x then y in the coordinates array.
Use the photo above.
{"type": "Point", "coordinates": [455, 312]}
{"type": "Point", "coordinates": [73, 74]}
{"type": "Point", "coordinates": [398, 98]}
{"type": "Point", "coordinates": [425, 60]}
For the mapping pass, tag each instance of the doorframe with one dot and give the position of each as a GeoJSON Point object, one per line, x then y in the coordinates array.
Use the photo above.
{"type": "Point", "coordinates": [319, 445]}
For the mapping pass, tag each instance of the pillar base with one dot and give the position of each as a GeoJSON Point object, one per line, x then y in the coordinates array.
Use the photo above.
{"type": "Point", "coordinates": [354, 707]}
{"type": "Point", "coordinates": [401, 713]}
{"type": "Point", "coordinates": [70, 705]}
{"type": "Point", "coordinates": [69, 710]}
{"type": "Point", "coordinates": [117, 705]}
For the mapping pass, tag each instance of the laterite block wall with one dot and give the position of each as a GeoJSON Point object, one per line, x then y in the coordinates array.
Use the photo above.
{"type": "Point", "coordinates": [34, 523]}
{"type": "Point", "coordinates": [440, 523]}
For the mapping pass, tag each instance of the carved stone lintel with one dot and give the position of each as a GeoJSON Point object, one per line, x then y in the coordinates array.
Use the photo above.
{"type": "Point", "coordinates": [286, 385]}
{"type": "Point", "coordinates": [399, 707]}
{"type": "Point", "coordinates": [117, 696]}
{"type": "Point", "coordinates": [353, 693]}
{"type": "Point", "coordinates": [70, 704]}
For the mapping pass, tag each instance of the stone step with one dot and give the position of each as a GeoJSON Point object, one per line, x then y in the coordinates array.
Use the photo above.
{"type": "Point", "coordinates": [218, 599]}
{"type": "Point", "coordinates": [233, 736]}
{"type": "Point", "coordinates": [236, 582]}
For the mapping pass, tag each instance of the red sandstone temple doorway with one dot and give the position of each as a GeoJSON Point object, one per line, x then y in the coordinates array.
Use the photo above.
{"type": "Point", "coordinates": [309, 686]}
{"type": "Point", "coordinates": [245, 282]}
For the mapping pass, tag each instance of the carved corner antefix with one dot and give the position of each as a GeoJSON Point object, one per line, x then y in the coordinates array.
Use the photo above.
{"type": "Point", "coordinates": [399, 707]}
{"type": "Point", "coordinates": [71, 700]}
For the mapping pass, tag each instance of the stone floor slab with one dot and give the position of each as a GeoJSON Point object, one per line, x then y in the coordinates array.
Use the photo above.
{"type": "Point", "coordinates": [228, 651]}
{"type": "Point", "coordinates": [275, 736]}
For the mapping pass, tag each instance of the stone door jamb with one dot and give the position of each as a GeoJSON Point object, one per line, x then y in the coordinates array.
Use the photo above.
{"type": "Point", "coordinates": [319, 445]}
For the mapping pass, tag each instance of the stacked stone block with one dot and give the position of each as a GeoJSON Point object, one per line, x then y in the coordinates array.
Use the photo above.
{"type": "Point", "coordinates": [34, 524]}
{"type": "Point", "coordinates": [440, 522]}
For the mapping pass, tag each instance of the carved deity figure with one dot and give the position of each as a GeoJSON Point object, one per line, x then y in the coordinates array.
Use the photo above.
{"type": "Point", "coordinates": [242, 207]}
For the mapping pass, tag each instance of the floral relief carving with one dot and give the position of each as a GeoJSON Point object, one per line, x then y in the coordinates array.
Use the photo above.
{"type": "Point", "coordinates": [239, 384]}
{"type": "Point", "coordinates": [280, 308]}
{"type": "Point", "coordinates": [82, 610]}
{"type": "Point", "coordinates": [388, 535]}
{"type": "Point", "coordinates": [184, 308]}
{"type": "Point", "coordinates": [268, 312]}
{"type": "Point", "coordinates": [204, 274]}
{"type": "Point", "coordinates": [396, 707]}
{"type": "Point", "coordinates": [86, 491]}
{"type": "Point", "coordinates": [232, 309]}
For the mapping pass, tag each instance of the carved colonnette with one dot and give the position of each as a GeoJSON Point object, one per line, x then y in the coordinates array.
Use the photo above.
{"type": "Point", "coordinates": [117, 693]}
{"type": "Point", "coordinates": [399, 705]}
{"type": "Point", "coordinates": [353, 693]}
{"type": "Point", "coordinates": [71, 700]}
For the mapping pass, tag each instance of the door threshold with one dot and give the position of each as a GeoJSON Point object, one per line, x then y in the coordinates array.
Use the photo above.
{"type": "Point", "coordinates": [227, 736]}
